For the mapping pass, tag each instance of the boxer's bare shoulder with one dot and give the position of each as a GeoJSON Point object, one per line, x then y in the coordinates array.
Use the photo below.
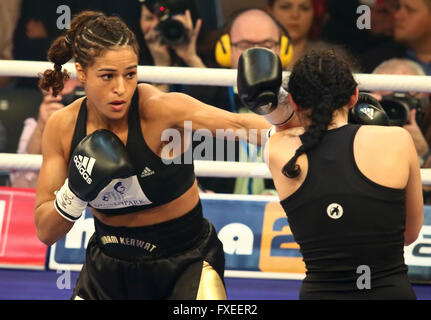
{"type": "Point", "coordinates": [151, 100]}
{"type": "Point", "coordinates": [60, 126]}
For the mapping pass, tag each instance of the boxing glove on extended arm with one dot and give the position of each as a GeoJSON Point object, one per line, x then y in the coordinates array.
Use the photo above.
{"type": "Point", "coordinates": [259, 81]}
{"type": "Point", "coordinates": [368, 111]}
{"type": "Point", "coordinates": [98, 158]}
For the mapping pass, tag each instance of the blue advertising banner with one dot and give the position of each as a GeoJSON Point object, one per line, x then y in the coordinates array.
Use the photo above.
{"type": "Point", "coordinates": [256, 238]}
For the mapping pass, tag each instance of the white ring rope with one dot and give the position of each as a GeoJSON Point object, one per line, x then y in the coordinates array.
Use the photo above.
{"type": "Point", "coordinates": [219, 169]}
{"type": "Point", "coordinates": [33, 162]}
{"type": "Point", "coordinates": [217, 77]}
{"type": "Point", "coordinates": [199, 76]}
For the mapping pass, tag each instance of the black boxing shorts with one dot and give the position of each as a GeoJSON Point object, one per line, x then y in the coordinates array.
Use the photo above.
{"type": "Point", "coordinates": [178, 259]}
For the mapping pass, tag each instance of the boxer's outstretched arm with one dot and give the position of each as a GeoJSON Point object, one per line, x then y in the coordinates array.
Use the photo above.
{"type": "Point", "coordinates": [50, 226]}
{"type": "Point", "coordinates": [179, 108]}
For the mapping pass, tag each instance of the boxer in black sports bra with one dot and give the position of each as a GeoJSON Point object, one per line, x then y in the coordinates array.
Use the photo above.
{"type": "Point", "coordinates": [107, 151]}
{"type": "Point", "coordinates": [351, 193]}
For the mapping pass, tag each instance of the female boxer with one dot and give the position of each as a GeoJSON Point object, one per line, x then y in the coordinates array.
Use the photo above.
{"type": "Point", "coordinates": [108, 151]}
{"type": "Point", "coordinates": [352, 193]}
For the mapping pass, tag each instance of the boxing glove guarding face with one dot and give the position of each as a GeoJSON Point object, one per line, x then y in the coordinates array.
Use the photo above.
{"type": "Point", "coordinates": [259, 79]}
{"type": "Point", "coordinates": [99, 158]}
{"type": "Point", "coordinates": [368, 111]}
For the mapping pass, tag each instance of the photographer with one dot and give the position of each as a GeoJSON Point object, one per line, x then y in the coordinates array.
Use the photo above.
{"type": "Point", "coordinates": [31, 135]}
{"type": "Point", "coordinates": [169, 33]}
{"type": "Point", "coordinates": [417, 121]}
{"type": "Point", "coordinates": [408, 110]}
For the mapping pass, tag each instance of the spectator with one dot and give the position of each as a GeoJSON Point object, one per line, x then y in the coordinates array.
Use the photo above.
{"type": "Point", "coordinates": [31, 136]}
{"type": "Point", "coordinates": [302, 19]}
{"type": "Point", "coordinates": [35, 30]}
{"type": "Point", "coordinates": [156, 52]}
{"type": "Point", "coordinates": [37, 25]}
{"type": "Point", "coordinates": [408, 67]}
{"type": "Point", "coordinates": [413, 29]}
{"type": "Point", "coordinates": [246, 28]}
{"type": "Point", "coordinates": [420, 132]}
{"type": "Point", "coordinates": [169, 54]}
{"type": "Point", "coordinates": [412, 33]}
{"type": "Point", "coordinates": [9, 14]}
{"type": "Point", "coordinates": [382, 17]}
{"type": "Point", "coordinates": [340, 25]}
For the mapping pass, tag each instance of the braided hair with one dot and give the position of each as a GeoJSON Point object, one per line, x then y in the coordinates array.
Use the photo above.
{"type": "Point", "coordinates": [90, 35]}
{"type": "Point", "coordinates": [321, 82]}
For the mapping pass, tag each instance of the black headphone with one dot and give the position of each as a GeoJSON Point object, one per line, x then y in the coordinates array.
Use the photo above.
{"type": "Point", "coordinates": [223, 46]}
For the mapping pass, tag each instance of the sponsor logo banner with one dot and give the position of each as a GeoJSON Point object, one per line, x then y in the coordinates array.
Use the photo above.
{"type": "Point", "coordinates": [256, 239]}
{"type": "Point", "coordinates": [255, 234]}
{"type": "Point", "coordinates": [19, 245]}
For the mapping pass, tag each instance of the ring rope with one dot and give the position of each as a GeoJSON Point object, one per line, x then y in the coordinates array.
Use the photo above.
{"type": "Point", "coordinates": [33, 162]}
{"type": "Point", "coordinates": [202, 76]}
{"type": "Point", "coordinates": [218, 77]}
{"type": "Point", "coordinates": [218, 169]}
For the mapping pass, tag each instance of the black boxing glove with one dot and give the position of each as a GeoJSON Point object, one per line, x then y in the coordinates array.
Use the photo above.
{"type": "Point", "coordinates": [98, 158]}
{"type": "Point", "coordinates": [259, 81]}
{"type": "Point", "coordinates": [368, 111]}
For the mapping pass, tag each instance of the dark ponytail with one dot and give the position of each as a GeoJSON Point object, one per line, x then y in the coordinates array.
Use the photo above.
{"type": "Point", "coordinates": [321, 82]}
{"type": "Point", "coordinates": [90, 34]}
{"type": "Point", "coordinates": [59, 53]}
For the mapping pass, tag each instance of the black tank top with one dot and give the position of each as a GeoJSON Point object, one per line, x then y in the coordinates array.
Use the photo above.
{"type": "Point", "coordinates": [159, 181]}
{"type": "Point", "coordinates": [342, 220]}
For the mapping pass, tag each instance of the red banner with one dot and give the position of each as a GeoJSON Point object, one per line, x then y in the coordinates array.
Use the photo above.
{"type": "Point", "coordinates": [19, 245]}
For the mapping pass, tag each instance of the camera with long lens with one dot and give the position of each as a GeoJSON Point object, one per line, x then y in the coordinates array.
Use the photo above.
{"type": "Point", "coordinates": [172, 31]}
{"type": "Point", "coordinates": [398, 106]}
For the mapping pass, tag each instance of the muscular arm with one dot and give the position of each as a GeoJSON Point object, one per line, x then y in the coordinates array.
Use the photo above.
{"type": "Point", "coordinates": [179, 108]}
{"type": "Point", "coordinates": [414, 198]}
{"type": "Point", "coordinates": [50, 225]}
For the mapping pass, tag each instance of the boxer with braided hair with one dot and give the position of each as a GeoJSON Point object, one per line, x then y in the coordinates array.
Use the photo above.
{"type": "Point", "coordinates": [89, 35]}
{"type": "Point", "coordinates": [106, 151]}
{"type": "Point", "coordinates": [351, 192]}
{"type": "Point", "coordinates": [336, 88]}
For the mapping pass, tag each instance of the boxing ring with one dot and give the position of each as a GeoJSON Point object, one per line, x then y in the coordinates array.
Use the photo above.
{"type": "Point", "coordinates": [262, 259]}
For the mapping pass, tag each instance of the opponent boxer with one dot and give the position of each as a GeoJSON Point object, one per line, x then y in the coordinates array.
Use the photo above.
{"type": "Point", "coordinates": [106, 151]}
{"type": "Point", "coordinates": [351, 193]}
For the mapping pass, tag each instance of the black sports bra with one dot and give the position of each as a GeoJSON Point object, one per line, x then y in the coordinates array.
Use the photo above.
{"type": "Point", "coordinates": [156, 182]}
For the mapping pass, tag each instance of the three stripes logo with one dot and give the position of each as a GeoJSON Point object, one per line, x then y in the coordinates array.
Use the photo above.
{"type": "Point", "coordinates": [146, 172]}
{"type": "Point", "coordinates": [85, 167]}
{"type": "Point", "coordinates": [369, 112]}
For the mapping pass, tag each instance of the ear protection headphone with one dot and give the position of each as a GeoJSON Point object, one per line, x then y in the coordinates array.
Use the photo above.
{"type": "Point", "coordinates": [223, 46]}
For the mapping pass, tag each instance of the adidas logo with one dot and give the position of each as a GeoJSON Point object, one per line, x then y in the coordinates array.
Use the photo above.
{"type": "Point", "coordinates": [368, 112]}
{"type": "Point", "coordinates": [85, 167]}
{"type": "Point", "coordinates": [146, 172]}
